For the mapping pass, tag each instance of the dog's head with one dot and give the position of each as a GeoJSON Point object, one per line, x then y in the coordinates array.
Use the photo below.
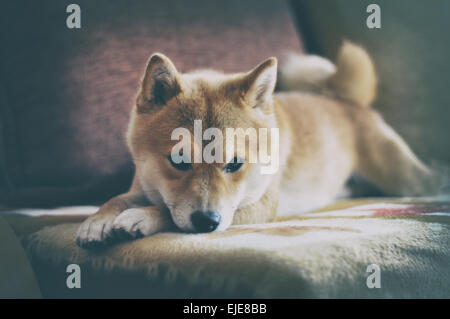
{"type": "Point", "coordinates": [201, 195]}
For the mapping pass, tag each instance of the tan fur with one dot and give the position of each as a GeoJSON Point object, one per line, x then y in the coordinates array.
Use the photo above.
{"type": "Point", "coordinates": [322, 141]}
{"type": "Point", "coordinates": [353, 78]}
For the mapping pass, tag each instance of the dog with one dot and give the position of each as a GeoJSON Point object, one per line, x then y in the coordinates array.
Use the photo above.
{"type": "Point", "coordinates": [327, 131]}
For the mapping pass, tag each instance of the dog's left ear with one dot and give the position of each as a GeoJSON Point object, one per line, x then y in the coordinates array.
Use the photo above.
{"type": "Point", "coordinates": [258, 84]}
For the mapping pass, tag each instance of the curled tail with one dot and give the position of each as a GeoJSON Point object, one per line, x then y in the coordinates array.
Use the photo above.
{"type": "Point", "coordinates": [353, 78]}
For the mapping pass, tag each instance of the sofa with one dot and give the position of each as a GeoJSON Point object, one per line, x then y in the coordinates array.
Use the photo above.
{"type": "Point", "coordinates": [65, 97]}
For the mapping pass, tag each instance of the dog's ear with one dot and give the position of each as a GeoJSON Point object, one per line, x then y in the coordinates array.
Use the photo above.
{"type": "Point", "coordinates": [258, 84]}
{"type": "Point", "coordinates": [161, 80]}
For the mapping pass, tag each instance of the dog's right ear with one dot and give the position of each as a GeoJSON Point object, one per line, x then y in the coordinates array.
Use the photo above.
{"type": "Point", "coordinates": [161, 81]}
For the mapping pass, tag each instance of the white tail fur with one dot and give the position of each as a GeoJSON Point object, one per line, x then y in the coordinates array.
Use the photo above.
{"type": "Point", "coordinates": [305, 72]}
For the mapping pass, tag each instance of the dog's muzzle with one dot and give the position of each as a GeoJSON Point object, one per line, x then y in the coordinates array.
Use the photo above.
{"type": "Point", "coordinates": [205, 222]}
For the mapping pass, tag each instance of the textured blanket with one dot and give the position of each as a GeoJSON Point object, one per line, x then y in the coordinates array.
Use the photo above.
{"type": "Point", "coordinates": [355, 249]}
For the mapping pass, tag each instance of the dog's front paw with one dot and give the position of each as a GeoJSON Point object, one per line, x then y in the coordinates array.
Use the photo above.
{"type": "Point", "coordinates": [95, 231]}
{"type": "Point", "coordinates": [134, 223]}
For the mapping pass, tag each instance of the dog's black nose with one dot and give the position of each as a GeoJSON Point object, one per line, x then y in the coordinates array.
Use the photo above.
{"type": "Point", "coordinates": [205, 222]}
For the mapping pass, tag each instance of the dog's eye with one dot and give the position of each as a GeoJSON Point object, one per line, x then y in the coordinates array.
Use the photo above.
{"type": "Point", "coordinates": [182, 166]}
{"type": "Point", "coordinates": [234, 165]}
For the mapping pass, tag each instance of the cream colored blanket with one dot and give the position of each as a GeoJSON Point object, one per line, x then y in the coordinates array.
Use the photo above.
{"type": "Point", "coordinates": [371, 249]}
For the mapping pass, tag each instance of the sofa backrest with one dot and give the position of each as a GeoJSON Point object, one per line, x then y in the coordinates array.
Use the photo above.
{"type": "Point", "coordinates": [411, 54]}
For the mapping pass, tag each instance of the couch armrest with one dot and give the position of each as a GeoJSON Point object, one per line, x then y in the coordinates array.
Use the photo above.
{"type": "Point", "coordinates": [17, 278]}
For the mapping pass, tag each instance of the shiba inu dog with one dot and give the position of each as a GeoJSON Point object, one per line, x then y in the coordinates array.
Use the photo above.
{"type": "Point", "coordinates": [325, 135]}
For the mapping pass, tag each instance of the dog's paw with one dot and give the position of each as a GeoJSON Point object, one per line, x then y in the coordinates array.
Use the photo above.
{"type": "Point", "coordinates": [134, 223]}
{"type": "Point", "coordinates": [95, 231]}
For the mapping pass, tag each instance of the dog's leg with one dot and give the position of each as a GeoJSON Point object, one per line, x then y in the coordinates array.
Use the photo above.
{"type": "Point", "coordinates": [97, 229]}
{"type": "Point", "coordinates": [262, 211]}
{"type": "Point", "coordinates": [143, 221]}
{"type": "Point", "coordinates": [386, 160]}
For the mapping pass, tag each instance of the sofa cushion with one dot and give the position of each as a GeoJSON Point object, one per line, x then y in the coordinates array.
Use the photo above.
{"type": "Point", "coordinates": [330, 253]}
{"type": "Point", "coordinates": [65, 94]}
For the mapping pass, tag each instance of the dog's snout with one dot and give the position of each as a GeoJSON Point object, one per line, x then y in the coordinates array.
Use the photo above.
{"type": "Point", "coordinates": [205, 222]}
